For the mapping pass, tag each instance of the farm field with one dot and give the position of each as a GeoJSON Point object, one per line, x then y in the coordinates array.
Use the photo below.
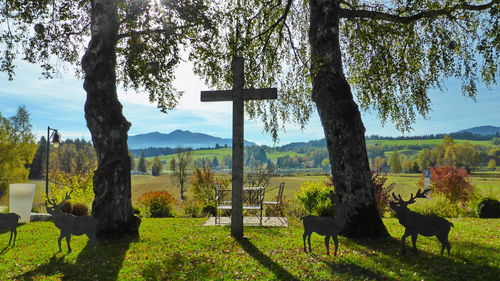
{"type": "Point", "coordinates": [273, 155]}
{"type": "Point", "coordinates": [487, 184]}
{"type": "Point", "coordinates": [424, 142]}
{"type": "Point", "coordinates": [183, 249]}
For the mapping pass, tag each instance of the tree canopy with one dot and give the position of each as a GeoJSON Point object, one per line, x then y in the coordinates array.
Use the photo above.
{"type": "Point", "coordinates": [394, 53]}
{"type": "Point", "coordinates": [17, 147]}
{"type": "Point", "coordinates": [151, 38]}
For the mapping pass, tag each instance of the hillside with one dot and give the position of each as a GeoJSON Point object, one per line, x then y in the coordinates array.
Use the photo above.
{"type": "Point", "coordinates": [178, 138]}
{"type": "Point", "coordinates": [483, 130]}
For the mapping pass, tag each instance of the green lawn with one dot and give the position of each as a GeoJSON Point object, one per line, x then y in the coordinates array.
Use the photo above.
{"type": "Point", "coordinates": [182, 249]}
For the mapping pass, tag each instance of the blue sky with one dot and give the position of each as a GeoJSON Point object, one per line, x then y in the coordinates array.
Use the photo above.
{"type": "Point", "coordinates": [59, 103]}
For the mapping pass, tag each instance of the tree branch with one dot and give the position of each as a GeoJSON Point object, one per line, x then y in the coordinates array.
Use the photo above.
{"type": "Point", "coordinates": [282, 18]}
{"type": "Point", "coordinates": [78, 32]}
{"type": "Point", "coordinates": [152, 31]}
{"type": "Point", "coordinates": [366, 14]}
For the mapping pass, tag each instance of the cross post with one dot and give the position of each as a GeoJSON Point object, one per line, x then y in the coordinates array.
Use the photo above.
{"type": "Point", "coordinates": [238, 95]}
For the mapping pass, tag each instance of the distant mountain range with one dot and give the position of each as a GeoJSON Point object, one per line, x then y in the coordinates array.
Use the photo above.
{"type": "Point", "coordinates": [483, 130]}
{"type": "Point", "coordinates": [186, 139]}
{"type": "Point", "coordinates": [178, 138]}
{"type": "Point", "coordinates": [475, 133]}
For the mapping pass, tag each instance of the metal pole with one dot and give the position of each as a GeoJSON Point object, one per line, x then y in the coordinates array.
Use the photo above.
{"type": "Point", "coordinates": [47, 164]}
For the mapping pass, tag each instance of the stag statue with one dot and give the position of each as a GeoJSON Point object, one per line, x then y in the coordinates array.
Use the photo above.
{"type": "Point", "coordinates": [415, 223]}
{"type": "Point", "coordinates": [9, 221]}
{"type": "Point", "coordinates": [72, 225]}
{"type": "Point", "coordinates": [326, 226]}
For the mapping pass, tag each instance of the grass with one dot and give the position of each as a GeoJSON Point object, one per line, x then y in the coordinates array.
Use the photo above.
{"type": "Point", "coordinates": [182, 249]}
{"type": "Point", "coordinates": [199, 154]}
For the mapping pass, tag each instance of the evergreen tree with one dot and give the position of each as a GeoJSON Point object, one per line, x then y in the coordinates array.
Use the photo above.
{"type": "Point", "coordinates": [215, 163]}
{"type": "Point", "coordinates": [37, 167]}
{"type": "Point", "coordinates": [157, 167]}
{"type": "Point", "coordinates": [142, 166]}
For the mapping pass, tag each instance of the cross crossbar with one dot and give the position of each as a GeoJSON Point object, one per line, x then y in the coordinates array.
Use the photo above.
{"type": "Point", "coordinates": [248, 94]}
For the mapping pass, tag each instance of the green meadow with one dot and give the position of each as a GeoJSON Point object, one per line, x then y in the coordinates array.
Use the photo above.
{"type": "Point", "coordinates": [183, 249]}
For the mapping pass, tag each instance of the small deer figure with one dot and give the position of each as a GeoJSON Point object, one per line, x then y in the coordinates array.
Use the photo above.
{"type": "Point", "coordinates": [415, 223]}
{"type": "Point", "coordinates": [72, 225]}
{"type": "Point", "coordinates": [9, 221]}
{"type": "Point", "coordinates": [326, 226]}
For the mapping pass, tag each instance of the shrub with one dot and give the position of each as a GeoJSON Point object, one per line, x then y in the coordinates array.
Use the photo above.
{"type": "Point", "coordinates": [4, 188]}
{"type": "Point", "coordinates": [314, 194]}
{"type": "Point", "coordinates": [136, 210]}
{"type": "Point", "coordinates": [191, 208]}
{"type": "Point", "coordinates": [441, 206]}
{"type": "Point", "coordinates": [209, 210]}
{"type": "Point", "coordinates": [489, 208]}
{"type": "Point", "coordinates": [80, 209]}
{"type": "Point", "coordinates": [157, 204]}
{"type": "Point", "coordinates": [203, 185]}
{"type": "Point", "coordinates": [382, 191]}
{"type": "Point", "coordinates": [452, 183]}
{"type": "Point", "coordinates": [293, 208]}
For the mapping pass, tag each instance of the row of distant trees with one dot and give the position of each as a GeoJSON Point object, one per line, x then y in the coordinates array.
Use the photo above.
{"type": "Point", "coordinates": [463, 155]}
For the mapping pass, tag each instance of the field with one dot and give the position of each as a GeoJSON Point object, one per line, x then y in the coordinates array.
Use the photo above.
{"type": "Point", "coordinates": [183, 249]}
{"type": "Point", "coordinates": [487, 184]}
{"type": "Point", "coordinates": [226, 152]}
{"type": "Point", "coordinates": [423, 142]}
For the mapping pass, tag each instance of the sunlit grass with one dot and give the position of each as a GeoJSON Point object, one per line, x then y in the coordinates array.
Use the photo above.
{"type": "Point", "coordinates": [182, 249]}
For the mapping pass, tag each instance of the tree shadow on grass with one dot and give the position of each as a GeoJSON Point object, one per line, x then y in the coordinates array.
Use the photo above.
{"type": "Point", "coordinates": [104, 263]}
{"type": "Point", "coordinates": [178, 266]}
{"type": "Point", "coordinates": [353, 271]}
{"type": "Point", "coordinates": [433, 265]}
{"type": "Point", "coordinates": [254, 252]}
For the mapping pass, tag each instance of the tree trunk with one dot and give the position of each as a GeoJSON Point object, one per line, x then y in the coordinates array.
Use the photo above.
{"type": "Point", "coordinates": [341, 120]}
{"type": "Point", "coordinates": [112, 205]}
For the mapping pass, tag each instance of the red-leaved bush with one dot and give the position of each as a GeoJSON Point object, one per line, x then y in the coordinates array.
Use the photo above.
{"type": "Point", "coordinates": [451, 182]}
{"type": "Point", "coordinates": [382, 191]}
{"type": "Point", "coordinates": [157, 204]}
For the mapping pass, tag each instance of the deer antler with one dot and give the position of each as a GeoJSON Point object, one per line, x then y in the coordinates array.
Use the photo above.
{"type": "Point", "coordinates": [419, 194]}
{"type": "Point", "coordinates": [67, 196]}
{"type": "Point", "coordinates": [51, 202]}
{"type": "Point", "coordinates": [396, 198]}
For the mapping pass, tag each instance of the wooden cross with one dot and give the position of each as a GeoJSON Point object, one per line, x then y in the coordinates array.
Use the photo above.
{"type": "Point", "coordinates": [237, 95]}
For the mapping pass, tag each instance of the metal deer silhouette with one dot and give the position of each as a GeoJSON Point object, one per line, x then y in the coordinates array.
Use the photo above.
{"type": "Point", "coordinates": [326, 226]}
{"type": "Point", "coordinates": [72, 225]}
{"type": "Point", "coordinates": [9, 221]}
{"type": "Point", "coordinates": [415, 223]}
